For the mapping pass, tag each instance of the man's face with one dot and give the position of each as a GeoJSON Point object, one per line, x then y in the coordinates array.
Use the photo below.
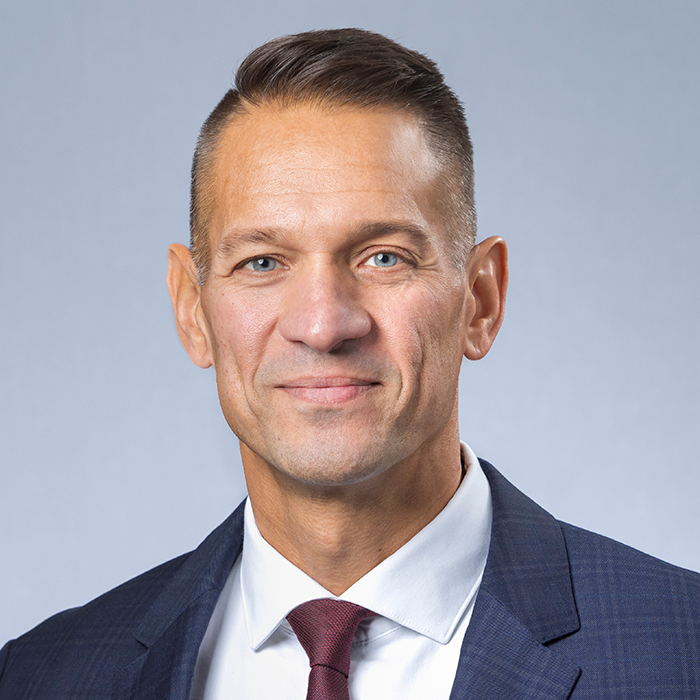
{"type": "Point", "coordinates": [333, 313]}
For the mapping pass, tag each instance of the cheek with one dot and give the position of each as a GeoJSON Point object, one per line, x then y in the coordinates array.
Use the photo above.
{"type": "Point", "coordinates": [424, 332]}
{"type": "Point", "coordinates": [241, 327]}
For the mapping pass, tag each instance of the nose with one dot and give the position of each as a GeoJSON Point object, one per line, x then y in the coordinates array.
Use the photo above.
{"type": "Point", "coordinates": [323, 309]}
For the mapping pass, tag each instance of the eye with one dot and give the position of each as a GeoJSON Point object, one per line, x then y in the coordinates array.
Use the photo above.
{"type": "Point", "coordinates": [262, 264]}
{"type": "Point", "coordinates": [383, 260]}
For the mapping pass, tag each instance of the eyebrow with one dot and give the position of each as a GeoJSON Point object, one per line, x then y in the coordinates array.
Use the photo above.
{"type": "Point", "coordinates": [234, 239]}
{"type": "Point", "coordinates": [378, 229]}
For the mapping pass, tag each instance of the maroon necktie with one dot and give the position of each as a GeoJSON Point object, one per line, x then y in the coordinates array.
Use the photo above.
{"type": "Point", "coordinates": [325, 629]}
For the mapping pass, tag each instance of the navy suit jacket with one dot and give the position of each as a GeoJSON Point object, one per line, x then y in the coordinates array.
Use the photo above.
{"type": "Point", "coordinates": [561, 613]}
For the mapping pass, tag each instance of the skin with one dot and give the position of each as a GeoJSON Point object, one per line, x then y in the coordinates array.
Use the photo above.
{"type": "Point", "coordinates": [336, 322]}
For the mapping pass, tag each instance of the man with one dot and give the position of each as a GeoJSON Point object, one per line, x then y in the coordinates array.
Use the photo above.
{"type": "Point", "coordinates": [334, 283]}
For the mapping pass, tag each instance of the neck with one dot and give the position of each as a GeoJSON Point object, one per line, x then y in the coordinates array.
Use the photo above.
{"type": "Point", "coordinates": [337, 534]}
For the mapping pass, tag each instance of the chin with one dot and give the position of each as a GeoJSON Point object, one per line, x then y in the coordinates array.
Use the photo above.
{"type": "Point", "coordinates": [332, 463]}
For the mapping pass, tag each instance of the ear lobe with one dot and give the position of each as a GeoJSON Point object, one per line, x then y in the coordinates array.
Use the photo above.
{"type": "Point", "coordinates": [185, 294]}
{"type": "Point", "coordinates": [487, 271]}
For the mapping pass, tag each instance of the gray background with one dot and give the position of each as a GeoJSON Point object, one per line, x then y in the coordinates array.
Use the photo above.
{"type": "Point", "coordinates": [585, 116]}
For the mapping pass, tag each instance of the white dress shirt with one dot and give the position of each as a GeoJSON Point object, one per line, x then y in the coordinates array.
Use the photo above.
{"type": "Point", "coordinates": [423, 595]}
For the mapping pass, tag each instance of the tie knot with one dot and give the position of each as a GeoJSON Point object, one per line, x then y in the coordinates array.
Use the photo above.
{"type": "Point", "coordinates": [325, 629]}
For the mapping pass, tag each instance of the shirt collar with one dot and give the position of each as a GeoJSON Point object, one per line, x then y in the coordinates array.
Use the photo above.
{"type": "Point", "coordinates": [426, 585]}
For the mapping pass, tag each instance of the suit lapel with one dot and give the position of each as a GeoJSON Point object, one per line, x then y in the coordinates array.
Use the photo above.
{"type": "Point", "coordinates": [502, 660]}
{"type": "Point", "coordinates": [525, 600]}
{"type": "Point", "coordinates": [172, 630]}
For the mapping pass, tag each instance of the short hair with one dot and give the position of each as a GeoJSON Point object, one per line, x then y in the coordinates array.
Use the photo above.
{"type": "Point", "coordinates": [343, 68]}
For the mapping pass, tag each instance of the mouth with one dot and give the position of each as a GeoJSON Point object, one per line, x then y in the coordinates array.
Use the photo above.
{"type": "Point", "coordinates": [327, 390]}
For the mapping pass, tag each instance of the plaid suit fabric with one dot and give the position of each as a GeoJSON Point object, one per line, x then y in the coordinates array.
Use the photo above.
{"type": "Point", "coordinates": [620, 625]}
{"type": "Point", "coordinates": [139, 640]}
{"type": "Point", "coordinates": [561, 613]}
{"type": "Point", "coordinates": [642, 617]}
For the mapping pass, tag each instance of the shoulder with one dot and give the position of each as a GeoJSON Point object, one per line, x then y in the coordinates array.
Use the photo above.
{"type": "Point", "coordinates": [76, 653]}
{"type": "Point", "coordinates": [127, 603]}
{"type": "Point", "coordinates": [525, 535]}
{"type": "Point", "coordinates": [639, 620]}
{"type": "Point", "coordinates": [631, 622]}
{"type": "Point", "coordinates": [73, 639]}
{"type": "Point", "coordinates": [608, 574]}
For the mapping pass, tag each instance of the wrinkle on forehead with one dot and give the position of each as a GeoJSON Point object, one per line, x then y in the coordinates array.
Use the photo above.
{"type": "Point", "coordinates": [327, 167]}
{"type": "Point", "coordinates": [268, 144]}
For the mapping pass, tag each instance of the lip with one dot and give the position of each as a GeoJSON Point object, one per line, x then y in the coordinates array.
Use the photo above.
{"type": "Point", "coordinates": [319, 382]}
{"type": "Point", "coordinates": [327, 390]}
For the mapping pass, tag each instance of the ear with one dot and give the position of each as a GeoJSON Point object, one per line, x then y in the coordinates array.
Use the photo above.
{"type": "Point", "coordinates": [487, 274]}
{"type": "Point", "coordinates": [185, 293]}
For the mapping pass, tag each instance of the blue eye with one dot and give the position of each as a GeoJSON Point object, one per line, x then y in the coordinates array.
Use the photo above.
{"type": "Point", "coordinates": [262, 264]}
{"type": "Point", "coordinates": [383, 260]}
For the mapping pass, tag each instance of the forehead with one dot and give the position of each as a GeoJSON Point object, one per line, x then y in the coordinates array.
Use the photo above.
{"type": "Point", "coordinates": [306, 164]}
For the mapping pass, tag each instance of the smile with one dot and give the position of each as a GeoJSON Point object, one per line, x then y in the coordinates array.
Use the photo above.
{"type": "Point", "coordinates": [328, 390]}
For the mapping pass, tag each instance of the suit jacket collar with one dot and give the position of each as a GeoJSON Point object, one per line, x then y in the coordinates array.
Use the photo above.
{"type": "Point", "coordinates": [172, 630]}
{"type": "Point", "coordinates": [525, 600]}
{"type": "Point", "coordinates": [528, 567]}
